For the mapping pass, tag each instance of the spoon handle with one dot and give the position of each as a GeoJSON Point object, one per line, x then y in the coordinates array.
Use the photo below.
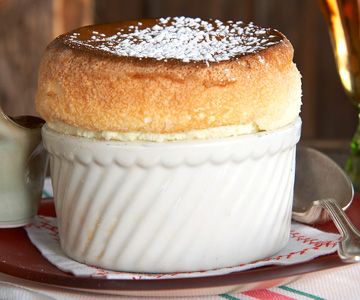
{"type": "Point", "coordinates": [349, 246]}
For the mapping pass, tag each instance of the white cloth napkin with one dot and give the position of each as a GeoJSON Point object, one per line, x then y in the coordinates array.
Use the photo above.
{"type": "Point", "coordinates": [305, 244]}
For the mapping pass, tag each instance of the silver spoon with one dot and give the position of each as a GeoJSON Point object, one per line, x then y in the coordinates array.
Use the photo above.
{"type": "Point", "coordinates": [323, 190]}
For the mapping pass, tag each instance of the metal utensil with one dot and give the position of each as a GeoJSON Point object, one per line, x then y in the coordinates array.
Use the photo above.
{"type": "Point", "coordinates": [323, 190]}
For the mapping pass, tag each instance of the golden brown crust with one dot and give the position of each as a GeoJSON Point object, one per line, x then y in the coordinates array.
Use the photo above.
{"type": "Point", "coordinates": [97, 92]}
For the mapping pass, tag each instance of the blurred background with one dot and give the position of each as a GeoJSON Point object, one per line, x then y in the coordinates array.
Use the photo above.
{"type": "Point", "coordinates": [27, 26]}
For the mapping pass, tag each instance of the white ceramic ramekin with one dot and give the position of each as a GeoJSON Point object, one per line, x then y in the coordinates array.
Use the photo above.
{"type": "Point", "coordinates": [173, 206]}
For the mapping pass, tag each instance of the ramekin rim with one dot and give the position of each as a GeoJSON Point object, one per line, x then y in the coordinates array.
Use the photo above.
{"type": "Point", "coordinates": [296, 124]}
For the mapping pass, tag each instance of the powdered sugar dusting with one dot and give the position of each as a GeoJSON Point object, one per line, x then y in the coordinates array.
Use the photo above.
{"type": "Point", "coordinates": [181, 38]}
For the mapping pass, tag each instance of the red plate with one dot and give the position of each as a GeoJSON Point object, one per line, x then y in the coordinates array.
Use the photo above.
{"type": "Point", "coordinates": [19, 258]}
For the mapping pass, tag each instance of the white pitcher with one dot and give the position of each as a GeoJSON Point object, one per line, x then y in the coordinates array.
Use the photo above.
{"type": "Point", "coordinates": [23, 162]}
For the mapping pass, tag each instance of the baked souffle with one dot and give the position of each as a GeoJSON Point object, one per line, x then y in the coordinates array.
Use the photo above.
{"type": "Point", "coordinates": [168, 79]}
